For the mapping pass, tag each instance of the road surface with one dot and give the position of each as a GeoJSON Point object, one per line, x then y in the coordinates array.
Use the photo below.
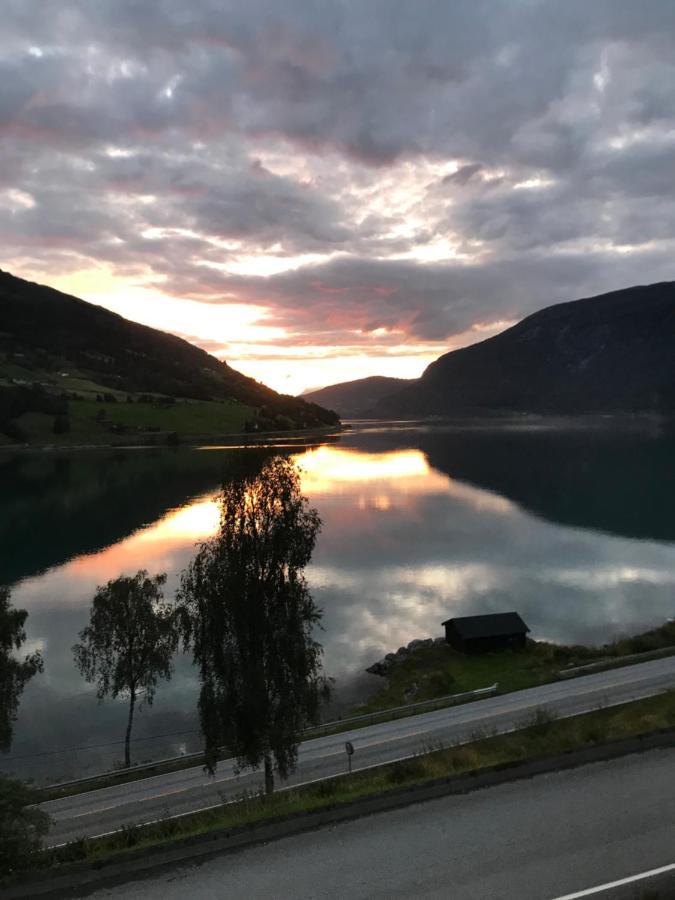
{"type": "Point", "coordinates": [146, 800]}
{"type": "Point", "coordinates": [539, 839]}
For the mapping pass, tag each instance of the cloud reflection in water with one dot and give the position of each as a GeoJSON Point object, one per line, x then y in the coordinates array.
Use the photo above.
{"type": "Point", "coordinates": [403, 546]}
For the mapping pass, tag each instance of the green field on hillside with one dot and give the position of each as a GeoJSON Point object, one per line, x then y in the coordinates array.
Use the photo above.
{"type": "Point", "coordinates": [93, 422]}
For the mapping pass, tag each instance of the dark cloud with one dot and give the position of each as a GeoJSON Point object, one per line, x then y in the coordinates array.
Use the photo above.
{"type": "Point", "coordinates": [463, 175]}
{"type": "Point", "coordinates": [534, 139]}
{"type": "Point", "coordinates": [425, 302]}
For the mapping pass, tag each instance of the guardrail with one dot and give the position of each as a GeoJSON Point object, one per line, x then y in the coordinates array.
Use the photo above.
{"type": "Point", "coordinates": [396, 712]}
{"type": "Point", "coordinates": [616, 662]}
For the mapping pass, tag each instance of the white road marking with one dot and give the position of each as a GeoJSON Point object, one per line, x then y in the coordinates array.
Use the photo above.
{"type": "Point", "coordinates": [589, 892]}
{"type": "Point", "coordinates": [127, 795]}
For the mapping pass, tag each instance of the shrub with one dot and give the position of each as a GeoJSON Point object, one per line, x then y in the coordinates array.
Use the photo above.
{"type": "Point", "coordinates": [539, 722]}
{"type": "Point", "coordinates": [464, 758]}
{"type": "Point", "coordinates": [22, 826]}
{"type": "Point", "coordinates": [129, 835]}
{"type": "Point", "coordinates": [405, 770]}
{"type": "Point", "coordinates": [595, 731]}
{"type": "Point", "coordinates": [61, 425]}
{"type": "Point", "coordinates": [14, 431]}
{"type": "Point", "coordinates": [325, 789]}
{"type": "Point", "coordinates": [73, 851]}
{"type": "Point", "coordinates": [440, 684]}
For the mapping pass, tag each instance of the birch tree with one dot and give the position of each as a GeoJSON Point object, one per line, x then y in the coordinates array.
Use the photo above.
{"type": "Point", "coordinates": [249, 618]}
{"type": "Point", "coordinates": [129, 643]}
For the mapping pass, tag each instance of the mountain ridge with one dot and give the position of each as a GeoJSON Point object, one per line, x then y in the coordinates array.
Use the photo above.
{"type": "Point", "coordinates": [354, 398]}
{"type": "Point", "coordinates": [57, 350]}
{"type": "Point", "coordinates": [610, 353]}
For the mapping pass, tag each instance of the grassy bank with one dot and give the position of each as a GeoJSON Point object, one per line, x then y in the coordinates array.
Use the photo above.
{"type": "Point", "coordinates": [86, 424]}
{"type": "Point", "coordinates": [200, 422]}
{"type": "Point", "coordinates": [439, 670]}
{"type": "Point", "coordinates": [70, 409]}
{"type": "Point", "coordinates": [540, 736]}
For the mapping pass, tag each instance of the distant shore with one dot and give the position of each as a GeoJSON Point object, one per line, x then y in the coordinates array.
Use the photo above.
{"type": "Point", "coordinates": [162, 441]}
{"type": "Point", "coordinates": [521, 422]}
{"type": "Point", "coordinates": [528, 421]}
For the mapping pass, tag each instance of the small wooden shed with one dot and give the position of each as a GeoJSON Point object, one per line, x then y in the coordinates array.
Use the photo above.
{"type": "Point", "coordinates": [481, 634]}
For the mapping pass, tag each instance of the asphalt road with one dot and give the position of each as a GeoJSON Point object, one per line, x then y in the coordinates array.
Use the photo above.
{"type": "Point", "coordinates": [539, 839]}
{"type": "Point", "coordinates": [148, 799]}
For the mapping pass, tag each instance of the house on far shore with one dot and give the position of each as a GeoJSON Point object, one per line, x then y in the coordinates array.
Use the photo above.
{"type": "Point", "coordinates": [480, 634]}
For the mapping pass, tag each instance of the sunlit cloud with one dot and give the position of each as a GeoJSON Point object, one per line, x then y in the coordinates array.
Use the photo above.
{"type": "Point", "coordinates": [337, 180]}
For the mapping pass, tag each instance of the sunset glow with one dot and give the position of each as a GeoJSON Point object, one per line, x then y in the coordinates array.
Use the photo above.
{"type": "Point", "coordinates": [327, 466]}
{"type": "Point", "coordinates": [316, 195]}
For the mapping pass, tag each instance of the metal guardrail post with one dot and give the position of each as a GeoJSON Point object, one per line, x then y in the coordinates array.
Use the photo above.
{"type": "Point", "coordinates": [409, 709]}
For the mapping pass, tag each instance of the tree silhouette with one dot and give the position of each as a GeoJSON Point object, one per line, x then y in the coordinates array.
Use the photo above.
{"type": "Point", "coordinates": [14, 672]}
{"type": "Point", "coordinates": [248, 616]}
{"type": "Point", "coordinates": [22, 825]}
{"type": "Point", "coordinates": [129, 642]}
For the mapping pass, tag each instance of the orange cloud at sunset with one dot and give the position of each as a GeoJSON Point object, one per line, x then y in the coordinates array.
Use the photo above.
{"type": "Point", "coordinates": [237, 333]}
{"type": "Point", "coordinates": [321, 192]}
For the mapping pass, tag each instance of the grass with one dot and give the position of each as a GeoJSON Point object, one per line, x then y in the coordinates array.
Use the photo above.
{"type": "Point", "coordinates": [124, 421]}
{"type": "Point", "coordinates": [184, 416]}
{"type": "Point", "coordinates": [157, 419]}
{"type": "Point", "coordinates": [439, 670]}
{"type": "Point", "coordinates": [541, 735]}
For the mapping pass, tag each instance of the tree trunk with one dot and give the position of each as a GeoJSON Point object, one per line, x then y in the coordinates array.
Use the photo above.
{"type": "Point", "coordinates": [127, 753]}
{"type": "Point", "coordinates": [269, 774]}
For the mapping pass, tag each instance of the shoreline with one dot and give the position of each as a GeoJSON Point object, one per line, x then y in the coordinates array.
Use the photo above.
{"type": "Point", "coordinates": [623, 422]}
{"type": "Point", "coordinates": [524, 421]}
{"type": "Point", "coordinates": [232, 440]}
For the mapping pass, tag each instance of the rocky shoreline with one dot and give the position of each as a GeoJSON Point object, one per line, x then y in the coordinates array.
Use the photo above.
{"type": "Point", "coordinates": [384, 666]}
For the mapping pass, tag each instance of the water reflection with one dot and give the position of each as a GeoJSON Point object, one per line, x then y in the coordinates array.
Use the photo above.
{"type": "Point", "coordinates": [16, 670]}
{"type": "Point", "coordinates": [418, 525]}
{"type": "Point", "coordinates": [56, 506]}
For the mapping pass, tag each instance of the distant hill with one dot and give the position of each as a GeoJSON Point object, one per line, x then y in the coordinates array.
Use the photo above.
{"type": "Point", "coordinates": [607, 354]}
{"type": "Point", "coordinates": [354, 398]}
{"type": "Point", "coordinates": [59, 353]}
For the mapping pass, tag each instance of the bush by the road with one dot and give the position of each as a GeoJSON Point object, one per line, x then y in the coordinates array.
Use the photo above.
{"type": "Point", "coordinates": [22, 826]}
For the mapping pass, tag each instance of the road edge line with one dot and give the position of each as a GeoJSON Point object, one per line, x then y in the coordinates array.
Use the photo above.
{"type": "Point", "coordinates": [148, 862]}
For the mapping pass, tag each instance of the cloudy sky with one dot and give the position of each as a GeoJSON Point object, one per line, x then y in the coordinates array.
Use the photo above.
{"type": "Point", "coordinates": [318, 190]}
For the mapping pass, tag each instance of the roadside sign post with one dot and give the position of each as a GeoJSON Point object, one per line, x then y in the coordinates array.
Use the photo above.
{"type": "Point", "coordinates": [349, 748]}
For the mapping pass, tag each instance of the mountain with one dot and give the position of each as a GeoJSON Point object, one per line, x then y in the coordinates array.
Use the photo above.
{"type": "Point", "coordinates": [61, 356]}
{"type": "Point", "coordinates": [606, 354]}
{"type": "Point", "coordinates": [354, 398]}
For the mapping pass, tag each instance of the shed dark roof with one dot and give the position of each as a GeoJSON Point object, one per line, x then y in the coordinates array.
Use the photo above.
{"type": "Point", "coordinates": [492, 625]}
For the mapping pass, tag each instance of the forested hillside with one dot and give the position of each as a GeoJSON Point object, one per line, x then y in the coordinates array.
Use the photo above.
{"type": "Point", "coordinates": [67, 366]}
{"type": "Point", "coordinates": [614, 353]}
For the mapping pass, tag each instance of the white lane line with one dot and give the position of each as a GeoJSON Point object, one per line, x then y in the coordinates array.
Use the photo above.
{"type": "Point", "coordinates": [292, 786]}
{"type": "Point", "coordinates": [191, 812]}
{"type": "Point", "coordinates": [589, 892]}
{"type": "Point", "coordinates": [232, 777]}
{"type": "Point", "coordinates": [383, 762]}
{"type": "Point", "coordinates": [461, 715]}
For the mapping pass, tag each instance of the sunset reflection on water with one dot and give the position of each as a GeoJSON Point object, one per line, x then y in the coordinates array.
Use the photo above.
{"type": "Point", "coordinates": [374, 480]}
{"type": "Point", "coordinates": [404, 545]}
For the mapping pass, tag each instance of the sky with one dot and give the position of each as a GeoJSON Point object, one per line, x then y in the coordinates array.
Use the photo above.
{"type": "Point", "coordinates": [319, 190]}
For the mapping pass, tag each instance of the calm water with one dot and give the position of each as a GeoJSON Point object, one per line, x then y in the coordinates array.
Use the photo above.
{"type": "Point", "coordinates": [575, 530]}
